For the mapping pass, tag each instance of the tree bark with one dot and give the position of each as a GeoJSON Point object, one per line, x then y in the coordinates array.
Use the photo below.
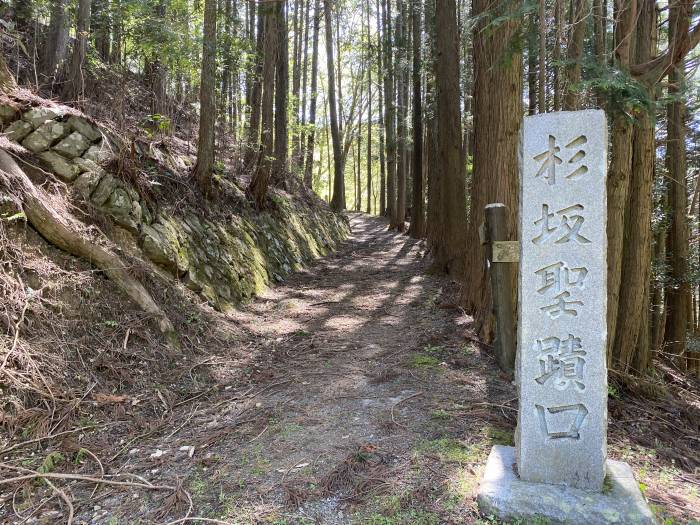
{"type": "Point", "coordinates": [678, 291]}
{"type": "Point", "coordinates": [542, 82]}
{"type": "Point", "coordinates": [207, 101]}
{"type": "Point", "coordinates": [75, 85]}
{"type": "Point", "coordinates": [390, 114]}
{"type": "Point", "coordinates": [497, 118]}
{"type": "Point", "coordinates": [556, 55]}
{"type": "Point", "coordinates": [631, 351]}
{"type": "Point", "coordinates": [281, 96]}
{"type": "Point", "coordinates": [57, 41]}
{"type": "Point", "coordinates": [620, 167]}
{"type": "Point", "coordinates": [380, 97]}
{"type": "Point", "coordinates": [417, 229]}
{"type": "Point", "coordinates": [308, 168]}
{"type": "Point", "coordinates": [253, 132]}
{"type": "Point", "coordinates": [450, 224]}
{"type": "Point", "coordinates": [261, 178]}
{"type": "Point", "coordinates": [398, 222]}
{"type": "Point", "coordinates": [369, 114]}
{"type": "Point", "coordinates": [574, 54]}
{"type": "Point", "coordinates": [338, 200]}
{"type": "Point", "coordinates": [532, 70]}
{"type": "Point", "coordinates": [101, 28]}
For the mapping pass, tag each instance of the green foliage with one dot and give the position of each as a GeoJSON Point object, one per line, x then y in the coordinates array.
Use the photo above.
{"type": "Point", "coordinates": [424, 361]}
{"type": "Point", "coordinates": [448, 450]}
{"type": "Point", "coordinates": [622, 93]}
{"type": "Point", "coordinates": [53, 460]}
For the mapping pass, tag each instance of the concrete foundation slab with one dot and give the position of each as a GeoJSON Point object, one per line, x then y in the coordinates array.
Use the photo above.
{"type": "Point", "coordinates": [504, 495]}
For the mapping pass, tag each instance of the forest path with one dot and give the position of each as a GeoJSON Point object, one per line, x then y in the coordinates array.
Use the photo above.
{"type": "Point", "coordinates": [357, 399]}
{"type": "Point", "coordinates": [364, 396]}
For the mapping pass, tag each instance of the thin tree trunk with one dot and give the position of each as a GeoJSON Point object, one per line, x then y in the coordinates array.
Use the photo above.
{"type": "Point", "coordinates": [574, 53]}
{"type": "Point", "coordinates": [299, 155]}
{"type": "Point", "coordinates": [75, 86]}
{"type": "Point", "coordinates": [261, 179]}
{"type": "Point", "coordinates": [253, 133]}
{"type": "Point", "coordinates": [338, 200]}
{"type": "Point", "coordinates": [678, 292]}
{"type": "Point", "coordinates": [281, 96]}
{"type": "Point", "coordinates": [369, 114]}
{"type": "Point", "coordinates": [57, 41]}
{"type": "Point", "coordinates": [542, 82]}
{"type": "Point", "coordinates": [207, 100]}
{"type": "Point", "coordinates": [117, 32]}
{"type": "Point", "coordinates": [450, 247]}
{"type": "Point", "coordinates": [390, 114]}
{"type": "Point", "coordinates": [100, 27]}
{"type": "Point", "coordinates": [380, 97]}
{"type": "Point", "coordinates": [399, 221]}
{"type": "Point", "coordinates": [417, 229]}
{"type": "Point", "coordinates": [532, 53]}
{"type": "Point", "coordinates": [556, 54]}
{"type": "Point", "coordinates": [314, 97]}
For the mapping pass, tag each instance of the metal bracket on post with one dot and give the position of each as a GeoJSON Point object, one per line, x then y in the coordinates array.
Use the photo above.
{"type": "Point", "coordinates": [505, 251]}
{"type": "Point", "coordinates": [502, 251]}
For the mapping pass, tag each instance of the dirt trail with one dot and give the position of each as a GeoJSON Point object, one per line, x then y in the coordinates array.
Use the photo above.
{"type": "Point", "coordinates": [352, 393]}
{"type": "Point", "coordinates": [359, 405]}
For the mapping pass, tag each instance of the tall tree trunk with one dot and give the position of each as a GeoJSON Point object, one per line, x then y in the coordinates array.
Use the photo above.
{"type": "Point", "coordinates": [101, 27]}
{"type": "Point", "coordinates": [399, 221]}
{"type": "Point", "coordinates": [358, 162]}
{"type": "Point", "coordinates": [542, 82]}
{"type": "Point", "coordinates": [620, 167]}
{"type": "Point", "coordinates": [678, 291]}
{"type": "Point", "coordinates": [117, 33]}
{"type": "Point", "coordinates": [369, 113]}
{"type": "Point", "coordinates": [308, 168]}
{"type": "Point", "coordinates": [631, 350]}
{"type": "Point", "coordinates": [159, 72]}
{"type": "Point", "coordinates": [281, 96]}
{"type": "Point", "coordinates": [390, 114]}
{"type": "Point", "coordinates": [497, 119]}
{"type": "Point", "coordinates": [433, 229]}
{"type": "Point", "coordinates": [297, 22]}
{"type": "Point", "coordinates": [338, 200]}
{"type": "Point", "coordinates": [450, 246]}
{"type": "Point", "coordinates": [574, 53]}
{"type": "Point", "coordinates": [57, 40]}
{"type": "Point", "coordinates": [380, 97]}
{"type": "Point", "coordinates": [261, 178]}
{"type": "Point", "coordinates": [532, 54]}
{"type": "Point", "coordinates": [256, 89]}
{"type": "Point", "coordinates": [417, 229]}
{"type": "Point", "coordinates": [299, 155]}
{"type": "Point", "coordinates": [556, 54]}
{"type": "Point", "coordinates": [75, 85]}
{"type": "Point", "coordinates": [207, 102]}
{"type": "Point", "coordinates": [599, 31]}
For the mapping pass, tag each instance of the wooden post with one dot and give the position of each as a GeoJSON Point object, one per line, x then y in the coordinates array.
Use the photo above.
{"type": "Point", "coordinates": [500, 257]}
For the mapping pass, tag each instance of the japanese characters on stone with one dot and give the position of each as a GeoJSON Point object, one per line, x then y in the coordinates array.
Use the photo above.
{"type": "Point", "coordinates": [562, 331]}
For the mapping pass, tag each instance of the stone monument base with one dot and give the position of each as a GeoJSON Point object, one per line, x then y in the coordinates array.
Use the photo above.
{"type": "Point", "coordinates": [502, 494]}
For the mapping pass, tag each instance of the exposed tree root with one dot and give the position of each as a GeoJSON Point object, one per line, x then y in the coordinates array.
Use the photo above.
{"type": "Point", "coordinates": [49, 223]}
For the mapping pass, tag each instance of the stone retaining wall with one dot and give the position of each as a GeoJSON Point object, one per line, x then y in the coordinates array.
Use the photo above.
{"type": "Point", "coordinates": [225, 262]}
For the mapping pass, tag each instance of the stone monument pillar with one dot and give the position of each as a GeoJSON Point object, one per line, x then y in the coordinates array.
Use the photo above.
{"type": "Point", "coordinates": [562, 331]}
{"type": "Point", "coordinates": [558, 470]}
